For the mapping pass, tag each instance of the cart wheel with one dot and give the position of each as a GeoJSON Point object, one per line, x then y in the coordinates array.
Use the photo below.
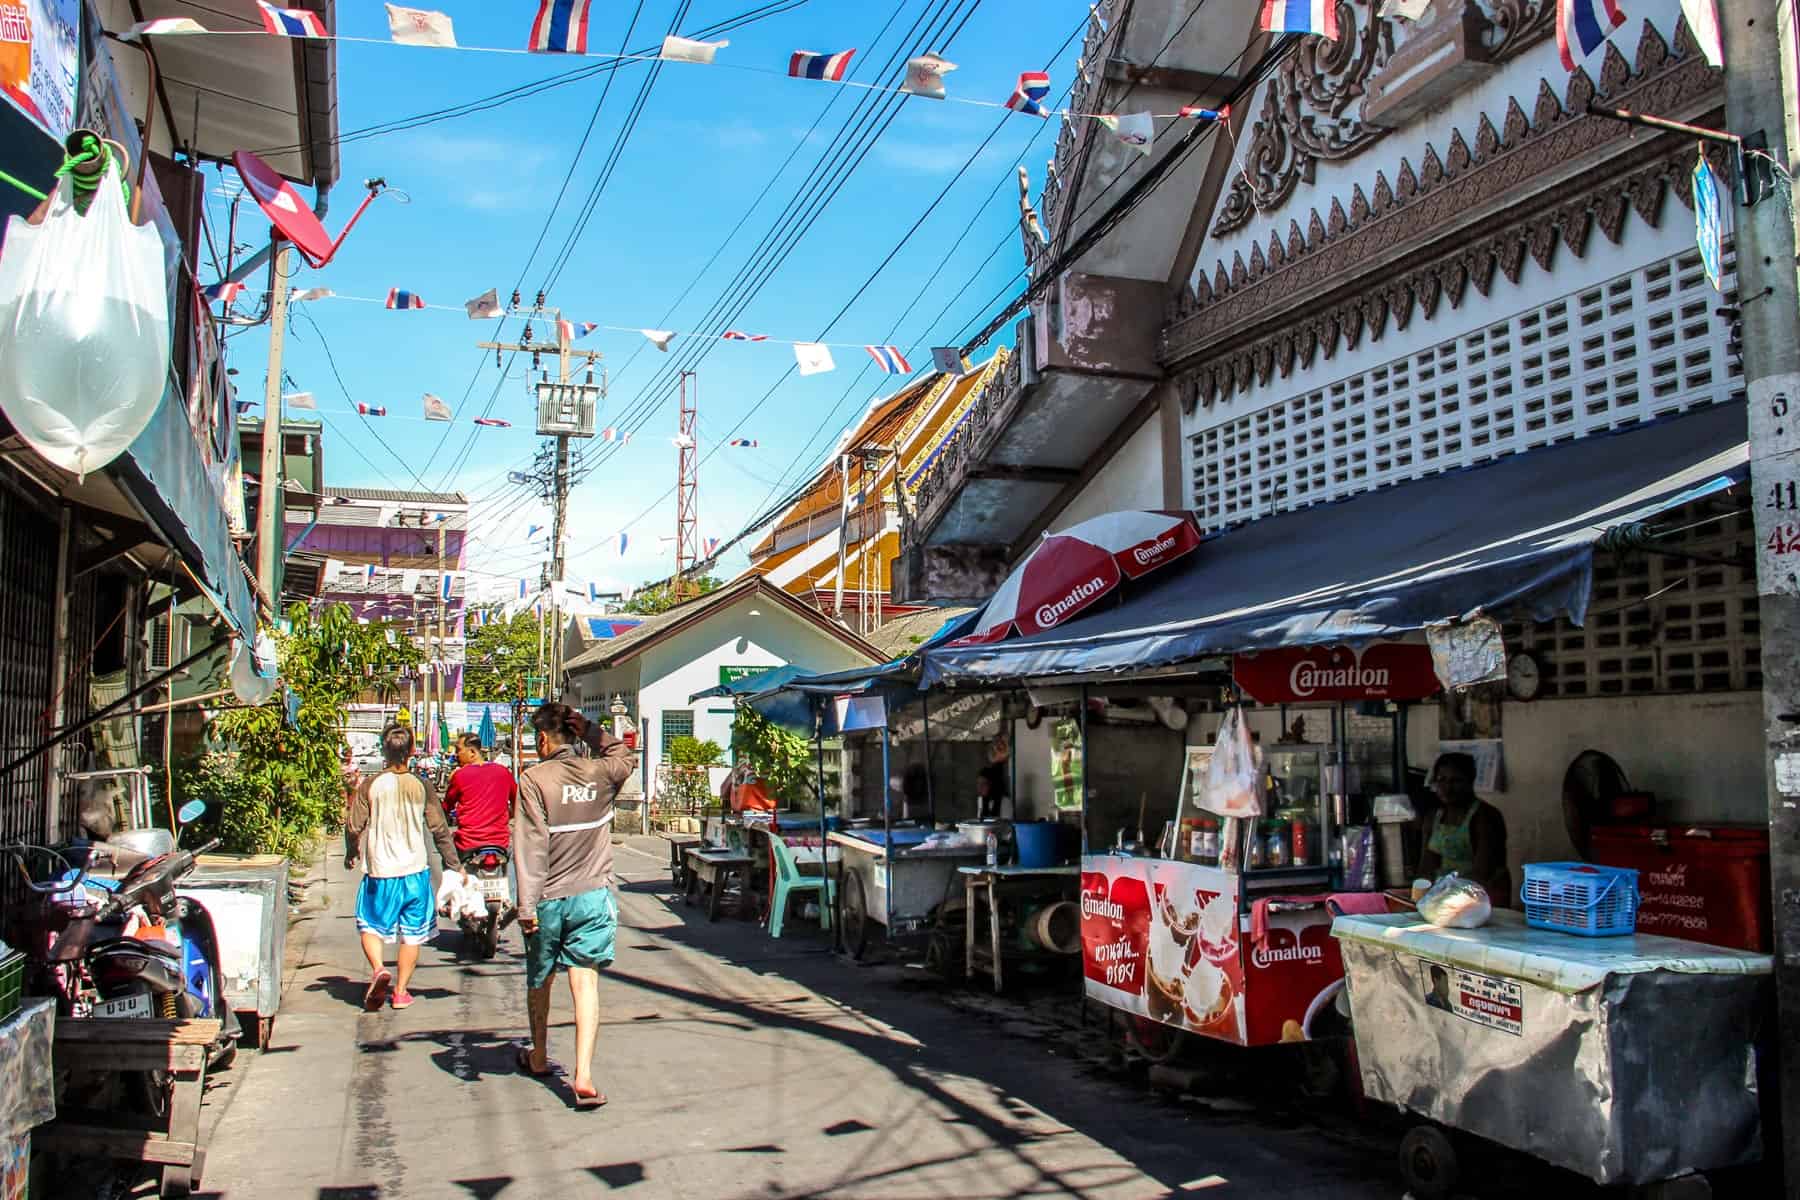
{"type": "Point", "coordinates": [1157, 1042]}
{"type": "Point", "coordinates": [1428, 1163]}
{"type": "Point", "coordinates": [853, 917]}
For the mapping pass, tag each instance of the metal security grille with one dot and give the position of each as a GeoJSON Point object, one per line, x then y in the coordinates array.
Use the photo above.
{"type": "Point", "coordinates": [27, 585]}
{"type": "Point", "coordinates": [1680, 622]}
{"type": "Point", "coordinates": [1639, 346]}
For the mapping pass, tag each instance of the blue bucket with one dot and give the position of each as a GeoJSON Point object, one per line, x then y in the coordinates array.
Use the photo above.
{"type": "Point", "coordinates": [1037, 843]}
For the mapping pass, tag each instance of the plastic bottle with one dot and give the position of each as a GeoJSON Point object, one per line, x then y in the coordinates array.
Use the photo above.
{"type": "Point", "coordinates": [1277, 854]}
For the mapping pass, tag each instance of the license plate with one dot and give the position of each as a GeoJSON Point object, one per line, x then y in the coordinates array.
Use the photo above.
{"type": "Point", "coordinates": [124, 1006]}
{"type": "Point", "coordinates": [495, 889]}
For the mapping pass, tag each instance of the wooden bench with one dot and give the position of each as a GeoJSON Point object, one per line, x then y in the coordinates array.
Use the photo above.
{"type": "Point", "coordinates": [679, 845]}
{"type": "Point", "coordinates": [178, 1047]}
{"type": "Point", "coordinates": [715, 870]}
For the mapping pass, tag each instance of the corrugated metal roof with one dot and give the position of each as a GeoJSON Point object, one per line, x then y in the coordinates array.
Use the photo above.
{"type": "Point", "coordinates": [391, 496]}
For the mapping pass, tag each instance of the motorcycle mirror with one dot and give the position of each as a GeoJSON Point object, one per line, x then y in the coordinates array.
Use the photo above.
{"type": "Point", "coordinates": [190, 812]}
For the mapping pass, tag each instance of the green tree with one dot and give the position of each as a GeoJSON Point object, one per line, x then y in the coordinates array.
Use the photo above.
{"type": "Point", "coordinates": [278, 783]}
{"type": "Point", "coordinates": [782, 757]}
{"type": "Point", "coordinates": [499, 654]}
{"type": "Point", "coordinates": [653, 598]}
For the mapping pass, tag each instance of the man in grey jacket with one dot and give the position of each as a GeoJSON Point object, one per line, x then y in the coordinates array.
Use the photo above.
{"type": "Point", "coordinates": [562, 850]}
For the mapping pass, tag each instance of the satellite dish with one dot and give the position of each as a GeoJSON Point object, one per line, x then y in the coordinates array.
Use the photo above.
{"type": "Point", "coordinates": [293, 219]}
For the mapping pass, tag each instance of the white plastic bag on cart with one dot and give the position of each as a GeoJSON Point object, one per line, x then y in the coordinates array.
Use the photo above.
{"type": "Point", "coordinates": [1233, 774]}
{"type": "Point", "coordinates": [1456, 903]}
{"type": "Point", "coordinates": [84, 327]}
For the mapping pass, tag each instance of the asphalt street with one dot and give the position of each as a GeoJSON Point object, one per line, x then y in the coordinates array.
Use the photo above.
{"type": "Point", "coordinates": [736, 1066]}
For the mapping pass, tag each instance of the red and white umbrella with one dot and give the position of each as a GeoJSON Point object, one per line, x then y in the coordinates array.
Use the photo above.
{"type": "Point", "coordinates": [1072, 570]}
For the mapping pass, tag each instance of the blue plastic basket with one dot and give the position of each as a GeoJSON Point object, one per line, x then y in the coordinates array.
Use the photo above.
{"type": "Point", "coordinates": [1581, 898]}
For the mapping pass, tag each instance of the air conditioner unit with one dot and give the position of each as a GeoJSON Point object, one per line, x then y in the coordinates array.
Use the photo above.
{"type": "Point", "coordinates": [567, 408]}
{"type": "Point", "coordinates": [169, 641]}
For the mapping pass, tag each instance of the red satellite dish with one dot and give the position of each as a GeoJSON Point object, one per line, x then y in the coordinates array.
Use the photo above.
{"type": "Point", "coordinates": [293, 219]}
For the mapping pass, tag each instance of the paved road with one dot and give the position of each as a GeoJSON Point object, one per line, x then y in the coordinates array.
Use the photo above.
{"type": "Point", "coordinates": [737, 1067]}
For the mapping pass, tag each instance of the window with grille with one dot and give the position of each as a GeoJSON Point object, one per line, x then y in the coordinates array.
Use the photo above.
{"type": "Point", "coordinates": [1681, 621]}
{"type": "Point", "coordinates": [1629, 349]}
{"type": "Point", "coordinates": [676, 723]}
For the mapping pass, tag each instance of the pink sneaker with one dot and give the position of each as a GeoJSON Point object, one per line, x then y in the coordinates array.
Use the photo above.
{"type": "Point", "coordinates": [402, 1000]}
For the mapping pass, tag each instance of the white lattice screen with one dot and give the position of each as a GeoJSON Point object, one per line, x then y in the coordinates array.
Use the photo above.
{"type": "Point", "coordinates": [1641, 345]}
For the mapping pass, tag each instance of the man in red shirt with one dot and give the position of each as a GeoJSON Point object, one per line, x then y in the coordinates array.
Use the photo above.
{"type": "Point", "coordinates": [481, 798]}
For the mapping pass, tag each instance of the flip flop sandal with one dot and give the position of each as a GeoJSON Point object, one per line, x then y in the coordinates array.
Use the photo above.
{"type": "Point", "coordinates": [522, 1061]}
{"type": "Point", "coordinates": [587, 1103]}
{"type": "Point", "coordinates": [377, 994]}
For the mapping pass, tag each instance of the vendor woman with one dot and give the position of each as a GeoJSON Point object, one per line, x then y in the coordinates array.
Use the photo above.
{"type": "Point", "coordinates": [1466, 834]}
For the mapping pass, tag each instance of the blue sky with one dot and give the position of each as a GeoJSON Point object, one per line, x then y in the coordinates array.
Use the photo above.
{"type": "Point", "coordinates": [706, 145]}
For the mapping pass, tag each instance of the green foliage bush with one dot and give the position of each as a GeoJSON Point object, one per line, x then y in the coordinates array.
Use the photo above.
{"type": "Point", "coordinates": [782, 757]}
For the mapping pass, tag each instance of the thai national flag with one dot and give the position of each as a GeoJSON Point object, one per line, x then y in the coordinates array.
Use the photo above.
{"type": "Point", "coordinates": [610, 434]}
{"type": "Point", "coordinates": [291, 22]}
{"type": "Point", "coordinates": [732, 335]}
{"type": "Point", "coordinates": [1193, 112]}
{"type": "Point", "coordinates": [521, 589]}
{"type": "Point", "coordinates": [712, 547]}
{"type": "Point", "coordinates": [805, 64]}
{"type": "Point", "coordinates": [1582, 25]}
{"type": "Point", "coordinates": [750, 442]}
{"type": "Point", "coordinates": [561, 27]}
{"type": "Point", "coordinates": [243, 406]}
{"type": "Point", "coordinates": [624, 541]}
{"type": "Point", "coordinates": [493, 423]}
{"type": "Point", "coordinates": [371, 410]}
{"type": "Point", "coordinates": [583, 328]}
{"type": "Point", "coordinates": [1033, 86]}
{"type": "Point", "coordinates": [398, 298]}
{"type": "Point", "coordinates": [1301, 16]}
{"type": "Point", "coordinates": [369, 573]}
{"type": "Point", "coordinates": [889, 359]}
{"type": "Point", "coordinates": [225, 291]}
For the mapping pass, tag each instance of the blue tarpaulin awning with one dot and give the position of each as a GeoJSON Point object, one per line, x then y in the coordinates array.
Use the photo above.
{"type": "Point", "coordinates": [751, 685]}
{"type": "Point", "coordinates": [1513, 535]}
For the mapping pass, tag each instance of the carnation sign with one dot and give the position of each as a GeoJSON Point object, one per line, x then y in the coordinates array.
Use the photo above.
{"type": "Point", "coordinates": [1294, 675]}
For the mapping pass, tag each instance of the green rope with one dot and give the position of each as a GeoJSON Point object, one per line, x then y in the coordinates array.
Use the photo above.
{"type": "Point", "coordinates": [22, 186]}
{"type": "Point", "coordinates": [86, 183]}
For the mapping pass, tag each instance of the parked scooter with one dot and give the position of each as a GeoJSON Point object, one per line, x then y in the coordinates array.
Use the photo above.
{"type": "Point", "coordinates": [487, 868]}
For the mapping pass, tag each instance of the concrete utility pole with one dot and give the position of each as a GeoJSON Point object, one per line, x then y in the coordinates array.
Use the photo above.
{"type": "Point", "coordinates": [1761, 92]}
{"type": "Point", "coordinates": [565, 357]}
{"type": "Point", "coordinates": [268, 501]}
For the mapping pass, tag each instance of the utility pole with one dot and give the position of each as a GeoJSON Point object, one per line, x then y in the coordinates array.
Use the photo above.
{"type": "Point", "coordinates": [1761, 91]}
{"type": "Point", "coordinates": [569, 418]}
{"type": "Point", "coordinates": [268, 502]}
{"type": "Point", "coordinates": [687, 549]}
{"type": "Point", "coordinates": [443, 642]}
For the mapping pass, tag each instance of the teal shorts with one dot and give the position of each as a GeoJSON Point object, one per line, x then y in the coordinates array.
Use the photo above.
{"type": "Point", "coordinates": [573, 931]}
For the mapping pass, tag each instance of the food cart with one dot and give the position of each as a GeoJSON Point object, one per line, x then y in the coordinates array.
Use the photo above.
{"type": "Point", "coordinates": [1628, 1059]}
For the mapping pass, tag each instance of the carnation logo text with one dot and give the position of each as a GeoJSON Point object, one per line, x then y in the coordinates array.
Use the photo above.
{"type": "Point", "coordinates": [1309, 677]}
{"type": "Point", "coordinates": [1050, 614]}
{"type": "Point", "coordinates": [1146, 555]}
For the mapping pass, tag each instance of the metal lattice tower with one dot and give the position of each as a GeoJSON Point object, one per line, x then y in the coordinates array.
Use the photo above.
{"type": "Point", "coordinates": [687, 550]}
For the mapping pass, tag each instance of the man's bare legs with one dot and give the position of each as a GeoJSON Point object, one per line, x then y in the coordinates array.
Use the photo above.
{"type": "Point", "coordinates": [405, 962]}
{"type": "Point", "coordinates": [584, 992]}
{"type": "Point", "coordinates": [537, 1006]}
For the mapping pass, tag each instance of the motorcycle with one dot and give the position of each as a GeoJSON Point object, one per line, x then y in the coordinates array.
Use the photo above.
{"type": "Point", "coordinates": [487, 869]}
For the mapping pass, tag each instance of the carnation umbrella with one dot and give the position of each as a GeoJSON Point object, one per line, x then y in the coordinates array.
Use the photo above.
{"type": "Point", "coordinates": [1070, 571]}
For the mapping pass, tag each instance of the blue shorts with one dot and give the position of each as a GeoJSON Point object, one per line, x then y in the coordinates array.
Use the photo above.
{"type": "Point", "coordinates": [397, 909]}
{"type": "Point", "coordinates": [573, 931]}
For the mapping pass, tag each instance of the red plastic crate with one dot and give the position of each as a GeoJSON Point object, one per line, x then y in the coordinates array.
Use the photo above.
{"type": "Point", "coordinates": [1705, 883]}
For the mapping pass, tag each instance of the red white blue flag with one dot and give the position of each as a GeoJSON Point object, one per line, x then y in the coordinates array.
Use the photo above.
{"type": "Point", "coordinates": [1028, 95]}
{"type": "Point", "coordinates": [805, 64]}
{"type": "Point", "coordinates": [1193, 112]}
{"type": "Point", "coordinates": [291, 22]}
{"type": "Point", "coordinates": [243, 406]}
{"type": "Point", "coordinates": [610, 434]}
{"type": "Point", "coordinates": [371, 410]}
{"type": "Point", "coordinates": [400, 298]}
{"type": "Point", "coordinates": [583, 328]}
{"type": "Point", "coordinates": [225, 291]}
{"type": "Point", "coordinates": [732, 335]}
{"type": "Point", "coordinates": [712, 547]}
{"type": "Point", "coordinates": [493, 423]}
{"type": "Point", "coordinates": [446, 582]}
{"type": "Point", "coordinates": [624, 541]}
{"type": "Point", "coordinates": [1300, 16]}
{"type": "Point", "coordinates": [750, 442]}
{"type": "Point", "coordinates": [561, 27]}
{"type": "Point", "coordinates": [889, 359]}
{"type": "Point", "coordinates": [1582, 26]}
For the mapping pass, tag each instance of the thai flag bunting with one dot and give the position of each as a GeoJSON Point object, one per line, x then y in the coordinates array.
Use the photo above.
{"type": "Point", "coordinates": [446, 583]}
{"type": "Point", "coordinates": [561, 27]}
{"type": "Point", "coordinates": [296, 296]}
{"type": "Point", "coordinates": [300, 400]}
{"type": "Point", "coordinates": [889, 359]}
{"type": "Point", "coordinates": [583, 328]}
{"type": "Point", "coordinates": [805, 64]}
{"type": "Point", "coordinates": [660, 338]}
{"type": "Point", "coordinates": [1028, 95]}
{"type": "Point", "coordinates": [521, 589]}
{"type": "Point", "coordinates": [397, 298]}
{"type": "Point", "coordinates": [532, 530]}
{"type": "Point", "coordinates": [369, 573]}
{"type": "Point", "coordinates": [610, 434]}
{"type": "Point", "coordinates": [243, 406]}
{"type": "Point", "coordinates": [813, 358]}
{"type": "Point", "coordinates": [565, 330]}
{"type": "Point", "coordinates": [624, 541]}
{"type": "Point", "coordinates": [291, 22]}
{"type": "Point", "coordinates": [925, 76]}
{"type": "Point", "coordinates": [486, 306]}
{"type": "Point", "coordinates": [371, 410]}
{"type": "Point", "coordinates": [712, 547]}
{"type": "Point", "coordinates": [1300, 16]}
{"type": "Point", "coordinates": [680, 49]}
{"type": "Point", "coordinates": [750, 442]}
{"type": "Point", "coordinates": [224, 290]}
{"type": "Point", "coordinates": [1136, 130]}
{"type": "Point", "coordinates": [733, 335]}
{"type": "Point", "coordinates": [493, 423]}
{"type": "Point", "coordinates": [1582, 26]}
{"type": "Point", "coordinates": [420, 27]}
{"type": "Point", "coordinates": [436, 409]}
{"type": "Point", "coordinates": [164, 26]}
{"type": "Point", "coordinates": [948, 359]}
{"type": "Point", "coordinates": [1193, 112]}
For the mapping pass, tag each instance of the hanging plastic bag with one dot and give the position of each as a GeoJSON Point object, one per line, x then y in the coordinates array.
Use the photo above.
{"type": "Point", "coordinates": [1233, 773]}
{"type": "Point", "coordinates": [84, 327]}
{"type": "Point", "coordinates": [1456, 903]}
{"type": "Point", "coordinates": [255, 669]}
